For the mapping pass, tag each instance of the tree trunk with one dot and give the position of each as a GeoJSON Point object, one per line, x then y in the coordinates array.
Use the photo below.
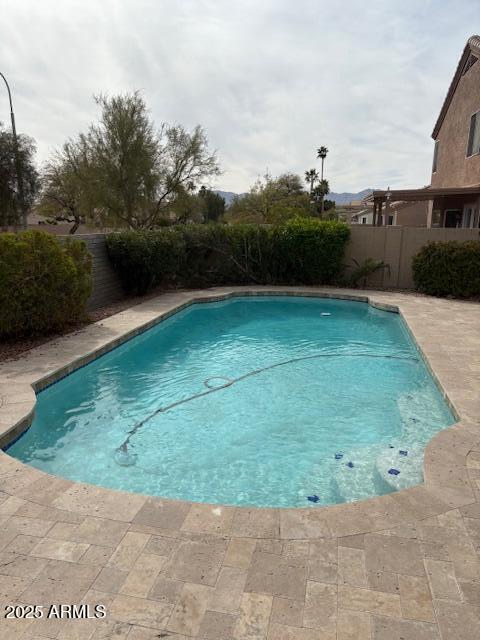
{"type": "Point", "coordinates": [322, 206]}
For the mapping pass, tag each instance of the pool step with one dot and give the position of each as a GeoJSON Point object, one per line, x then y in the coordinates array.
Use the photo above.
{"type": "Point", "coordinates": [400, 468]}
{"type": "Point", "coordinates": [356, 482]}
{"type": "Point", "coordinates": [392, 470]}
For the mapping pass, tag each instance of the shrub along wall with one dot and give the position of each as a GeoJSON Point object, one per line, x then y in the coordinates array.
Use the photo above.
{"type": "Point", "coordinates": [448, 269]}
{"type": "Point", "coordinates": [301, 251]}
{"type": "Point", "coordinates": [44, 283]}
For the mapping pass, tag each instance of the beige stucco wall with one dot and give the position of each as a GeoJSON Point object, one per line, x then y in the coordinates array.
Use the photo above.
{"type": "Point", "coordinates": [412, 215]}
{"type": "Point", "coordinates": [454, 169]}
{"type": "Point", "coordinates": [396, 246]}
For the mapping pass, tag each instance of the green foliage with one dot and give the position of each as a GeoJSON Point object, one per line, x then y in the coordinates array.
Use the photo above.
{"type": "Point", "coordinates": [301, 251]}
{"type": "Point", "coordinates": [65, 194]}
{"type": "Point", "coordinates": [44, 284]}
{"type": "Point", "coordinates": [318, 197]}
{"type": "Point", "coordinates": [213, 205]}
{"type": "Point", "coordinates": [124, 173]}
{"type": "Point", "coordinates": [145, 259]}
{"type": "Point", "coordinates": [365, 269]}
{"type": "Point", "coordinates": [185, 207]}
{"type": "Point", "coordinates": [448, 269]}
{"type": "Point", "coordinates": [10, 206]}
{"type": "Point", "coordinates": [271, 201]}
{"type": "Point", "coordinates": [322, 152]}
{"type": "Point", "coordinates": [312, 250]}
{"type": "Point", "coordinates": [311, 177]}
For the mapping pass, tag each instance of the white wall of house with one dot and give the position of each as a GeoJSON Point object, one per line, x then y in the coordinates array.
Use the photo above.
{"type": "Point", "coordinates": [367, 218]}
{"type": "Point", "coordinates": [363, 217]}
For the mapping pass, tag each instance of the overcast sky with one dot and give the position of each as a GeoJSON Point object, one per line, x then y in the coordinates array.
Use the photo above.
{"type": "Point", "coordinates": [269, 80]}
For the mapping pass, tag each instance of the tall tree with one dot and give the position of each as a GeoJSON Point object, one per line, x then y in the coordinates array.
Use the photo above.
{"type": "Point", "coordinates": [322, 154]}
{"type": "Point", "coordinates": [311, 177]}
{"type": "Point", "coordinates": [271, 200]}
{"type": "Point", "coordinates": [186, 207]}
{"type": "Point", "coordinates": [319, 192]}
{"type": "Point", "coordinates": [131, 173]}
{"type": "Point", "coordinates": [66, 194]}
{"type": "Point", "coordinates": [213, 205]}
{"type": "Point", "coordinates": [288, 185]}
{"type": "Point", "coordinates": [10, 205]}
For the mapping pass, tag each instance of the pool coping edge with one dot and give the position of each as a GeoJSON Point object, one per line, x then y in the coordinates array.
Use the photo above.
{"type": "Point", "coordinates": [446, 486]}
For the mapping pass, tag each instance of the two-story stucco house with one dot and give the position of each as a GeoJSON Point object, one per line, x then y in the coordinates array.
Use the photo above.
{"type": "Point", "coordinates": [453, 197]}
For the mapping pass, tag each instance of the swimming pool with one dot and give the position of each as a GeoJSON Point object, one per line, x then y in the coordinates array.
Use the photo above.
{"type": "Point", "coordinates": [266, 401]}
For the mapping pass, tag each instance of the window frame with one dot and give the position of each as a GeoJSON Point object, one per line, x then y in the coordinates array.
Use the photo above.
{"type": "Point", "coordinates": [471, 133]}
{"type": "Point", "coordinates": [435, 156]}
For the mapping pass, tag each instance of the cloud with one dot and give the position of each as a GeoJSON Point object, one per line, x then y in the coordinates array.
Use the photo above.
{"type": "Point", "coordinates": [270, 81]}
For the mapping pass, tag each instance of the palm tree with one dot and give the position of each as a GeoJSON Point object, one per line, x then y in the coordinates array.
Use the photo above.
{"type": "Point", "coordinates": [323, 187]}
{"type": "Point", "coordinates": [321, 190]}
{"type": "Point", "coordinates": [322, 154]}
{"type": "Point", "coordinates": [311, 178]}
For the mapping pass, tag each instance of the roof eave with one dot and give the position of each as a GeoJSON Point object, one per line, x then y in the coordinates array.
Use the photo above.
{"type": "Point", "coordinates": [472, 46]}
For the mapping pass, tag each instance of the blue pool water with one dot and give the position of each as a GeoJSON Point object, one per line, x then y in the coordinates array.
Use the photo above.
{"type": "Point", "coordinates": [267, 401]}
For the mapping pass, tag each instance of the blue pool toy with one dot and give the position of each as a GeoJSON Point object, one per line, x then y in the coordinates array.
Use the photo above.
{"type": "Point", "coordinates": [393, 472]}
{"type": "Point", "coordinates": [403, 453]}
{"type": "Point", "coordinates": [350, 464]}
{"type": "Point", "coordinates": [338, 456]}
{"type": "Point", "coordinates": [313, 498]}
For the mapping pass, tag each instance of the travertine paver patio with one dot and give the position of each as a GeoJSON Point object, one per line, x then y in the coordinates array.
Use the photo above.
{"type": "Point", "coordinates": [403, 566]}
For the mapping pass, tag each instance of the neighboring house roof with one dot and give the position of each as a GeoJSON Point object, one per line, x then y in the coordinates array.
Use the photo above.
{"type": "Point", "coordinates": [472, 48]}
{"type": "Point", "coordinates": [363, 212]}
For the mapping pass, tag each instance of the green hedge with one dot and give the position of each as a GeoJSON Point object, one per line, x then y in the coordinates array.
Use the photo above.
{"type": "Point", "coordinates": [448, 269]}
{"type": "Point", "coordinates": [301, 251]}
{"type": "Point", "coordinates": [44, 283]}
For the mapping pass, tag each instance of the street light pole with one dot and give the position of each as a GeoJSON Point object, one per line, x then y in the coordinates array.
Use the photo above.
{"type": "Point", "coordinates": [17, 157]}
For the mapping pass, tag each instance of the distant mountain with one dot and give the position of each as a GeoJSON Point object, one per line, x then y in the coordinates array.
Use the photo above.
{"type": "Point", "coordinates": [346, 198]}
{"type": "Point", "coordinates": [338, 198]}
{"type": "Point", "coordinates": [228, 196]}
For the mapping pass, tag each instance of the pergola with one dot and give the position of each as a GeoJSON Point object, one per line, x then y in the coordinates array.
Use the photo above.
{"type": "Point", "coordinates": [382, 200]}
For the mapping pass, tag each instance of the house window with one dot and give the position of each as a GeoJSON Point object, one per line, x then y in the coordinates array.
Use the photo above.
{"type": "Point", "coordinates": [364, 221]}
{"type": "Point", "coordinates": [474, 135]}
{"type": "Point", "coordinates": [390, 220]}
{"type": "Point", "coordinates": [467, 218]}
{"type": "Point", "coordinates": [435, 155]}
